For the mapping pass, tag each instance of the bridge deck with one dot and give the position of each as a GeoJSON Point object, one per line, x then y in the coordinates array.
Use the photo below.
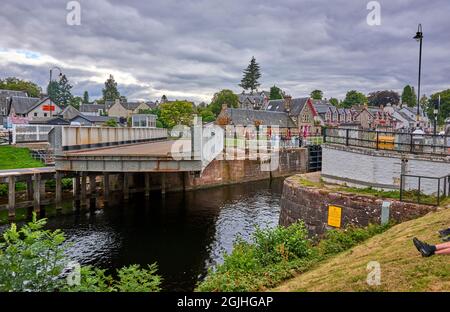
{"type": "Point", "coordinates": [159, 149]}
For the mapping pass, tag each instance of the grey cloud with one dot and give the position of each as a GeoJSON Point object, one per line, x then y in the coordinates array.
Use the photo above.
{"type": "Point", "coordinates": [199, 47]}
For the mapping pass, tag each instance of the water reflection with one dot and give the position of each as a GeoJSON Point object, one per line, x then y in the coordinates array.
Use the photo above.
{"type": "Point", "coordinates": [184, 233]}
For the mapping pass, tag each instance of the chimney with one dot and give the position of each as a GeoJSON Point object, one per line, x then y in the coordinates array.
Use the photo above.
{"type": "Point", "coordinates": [117, 101]}
{"type": "Point", "coordinates": [287, 103]}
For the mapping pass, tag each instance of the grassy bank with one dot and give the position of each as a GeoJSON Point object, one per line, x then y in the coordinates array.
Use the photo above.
{"type": "Point", "coordinates": [275, 255]}
{"type": "Point", "coordinates": [17, 157]}
{"type": "Point", "coordinates": [402, 267]}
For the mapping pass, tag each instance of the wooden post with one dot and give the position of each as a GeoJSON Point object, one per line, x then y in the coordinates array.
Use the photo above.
{"type": "Point", "coordinates": [126, 186]}
{"type": "Point", "coordinates": [58, 190]}
{"type": "Point", "coordinates": [105, 187]}
{"type": "Point", "coordinates": [147, 184]}
{"type": "Point", "coordinates": [37, 193]}
{"type": "Point", "coordinates": [92, 191]}
{"type": "Point", "coordinates": [12, 197]}
{"type": "Point", "coordinates": [30, 187]}
{"type": "Point", "coordinates": [83, 190]}
{"type": "Point", "coordinates": [163, 183]}
{"type": "Point", "coordinates": [92, 185]}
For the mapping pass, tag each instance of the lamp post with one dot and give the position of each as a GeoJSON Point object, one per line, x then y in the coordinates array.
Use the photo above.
{"type": "Point", "coordinates": [419, 37]}
{"type": "Point", "coordinates": [435, 112]}
{"type": "Point", "coordinates": [50, 80]}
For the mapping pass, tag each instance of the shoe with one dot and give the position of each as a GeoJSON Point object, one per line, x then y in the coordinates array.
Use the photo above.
{"type": "Point", "coordinates": [444, 233]}
{"type": "Point", "coordinates": [425, 249]}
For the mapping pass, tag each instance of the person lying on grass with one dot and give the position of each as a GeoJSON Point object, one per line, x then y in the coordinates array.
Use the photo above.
{"type": "Point", "coordinates": [428, 250]}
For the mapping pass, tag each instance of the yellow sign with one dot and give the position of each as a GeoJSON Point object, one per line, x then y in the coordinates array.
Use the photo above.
{"type": "Point", "coordinates": [334, 216]}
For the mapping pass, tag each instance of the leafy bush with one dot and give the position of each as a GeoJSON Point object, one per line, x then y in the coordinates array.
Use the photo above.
{"type": "Point", "coordinates": [336, 241]}
{"type": "Point", "coordinates": [33, 259]}
{"type": "Point", "coordinates": [278, 254]}
{"type": "Point", "coordinates": [281, 243]}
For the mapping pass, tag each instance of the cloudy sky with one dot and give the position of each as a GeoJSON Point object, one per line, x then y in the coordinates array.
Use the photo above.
{"type": "Point", "coordinates": [189, 49]}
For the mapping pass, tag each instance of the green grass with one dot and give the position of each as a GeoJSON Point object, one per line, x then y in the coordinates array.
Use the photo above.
{"type": "Point", "coordinates": [17, 157]}
{"type": "Point", "coordinates": [402, 267]}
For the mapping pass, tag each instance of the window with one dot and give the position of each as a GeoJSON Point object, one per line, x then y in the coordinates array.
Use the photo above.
{"type": "Point", "coordinates": [35, 114]}
{"type": "Point", "coordinates": [45, 114]}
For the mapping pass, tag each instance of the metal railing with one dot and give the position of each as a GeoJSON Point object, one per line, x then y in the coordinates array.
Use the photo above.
{"type": "Point", "coordinates": [386, 140]}
{"type": "Point", "coordinates": [423, 189]}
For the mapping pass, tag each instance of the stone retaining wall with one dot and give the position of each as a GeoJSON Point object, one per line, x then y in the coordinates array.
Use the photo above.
{"type": "Point", "coordinates": [310, 204]}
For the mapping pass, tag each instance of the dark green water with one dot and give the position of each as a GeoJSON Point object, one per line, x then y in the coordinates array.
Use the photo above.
{"type": "Point", "coordinates": [185, 233]}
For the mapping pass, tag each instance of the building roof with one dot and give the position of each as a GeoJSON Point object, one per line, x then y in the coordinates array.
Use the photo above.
{"type": "Point", "coordinates": [244, 117]}
{"type": "Point", "coordinates": [91, 108]}
{"type": "Point", "coordinates": [70, 112]}
{"type": "Point", "coordinates": [23, 104]}
{"type": "Point", "coordinates": [10, 93]}
{"type": "Point", "coordinates": [297, 105]}
{"type": "Point", "coordinates": [256, 99]}
{"type": "Point", "coordinates": [56, 120]}
{"type": "Point", "coordinates": [95, 119]}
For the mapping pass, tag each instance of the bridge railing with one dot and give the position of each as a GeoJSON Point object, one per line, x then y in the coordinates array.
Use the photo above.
{"type": "Point", "coordinates": [66, 138]}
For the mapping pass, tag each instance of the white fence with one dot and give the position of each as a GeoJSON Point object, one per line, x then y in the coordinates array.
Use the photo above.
{"type": "Point", "coordinates": [73, 137]}
{"type": "Point", "coordinates": [30, 133]}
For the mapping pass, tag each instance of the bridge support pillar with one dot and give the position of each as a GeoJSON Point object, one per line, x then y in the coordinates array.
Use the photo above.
{"type": "Point", "coordinates": [37, 193]}
{"type": "Point", "coordinates": [83, 190]}
{"type": "Point", "coordinates": [92, 192]}
{"type": "Point", "coordinates": [30, 187]}
{"type": "Point", "coordinates": [126, 186]}
{"type": "Point", "coordinates": [163, 184]}
{"type": "Point", "coordinates": [58, 190]}
{"type": "Point", "coordinates": [106, 187]}
{"type": "Point", "coordinates": [76, 184]}
{"type": "Point", "coordinates": [147, 184]}
{"type": "Point", "coordinates": [11, 197]}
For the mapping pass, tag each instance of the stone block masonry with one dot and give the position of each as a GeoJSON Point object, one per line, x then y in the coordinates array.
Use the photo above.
{"type": "Point", "coordinates": [310, 204]}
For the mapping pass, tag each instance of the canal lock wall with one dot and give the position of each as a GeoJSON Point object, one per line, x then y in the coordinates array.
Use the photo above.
{"type": "Point", "coordinates": [225, 172]}
{"type": "Point", "coordinates": [311, 204]}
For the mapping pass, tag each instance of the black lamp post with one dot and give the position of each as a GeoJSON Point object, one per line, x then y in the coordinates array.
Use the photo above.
{"type": "Point", "coordinates": [419, 37]}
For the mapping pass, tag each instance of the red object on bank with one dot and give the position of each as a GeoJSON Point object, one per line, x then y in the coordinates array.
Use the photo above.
{"type": "Point", "coordinates": [48, 108]}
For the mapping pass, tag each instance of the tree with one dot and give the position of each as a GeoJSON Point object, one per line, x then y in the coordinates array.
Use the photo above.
{"type": "Point", "coordinates": [334, 102]}
{"type": "Point", "coordinates": [444, 108]}
{"type": "Point", "coordinates": [177, 113]}
{"type": "Point", "coordinates": [275, 93]}
{"type": "Point", "coordinates": [16, 84]}
{"type": "Point", "coordinates": [223, 97]}
{"type": "Point", "coordinates": [60, 91]}
{"type": "Point", "coordinates": [35, 260]}
{"type": "Point", "coordinates": [251, 75]}
{"type": "Point", "coordinates": [409, 96]}
{"type": "Point", "coordinates": [384, 97]}
{"type": "Point", "coordinates": [85, 97]}
{"type": "Point", "coordinates": [76, 101]}
{"type": "Point", "coordinates": [111, 123]}
{"type": "Point", "coordinates": [353, 97]}
{"type": "Point", "coordinates": [316, 95]}
{"type": "Point", "coordinates": [110, 92]}
{"type": "Point", "coordinates": [163, 99]}
{"type": "Point", "coordinates": [207, 115]}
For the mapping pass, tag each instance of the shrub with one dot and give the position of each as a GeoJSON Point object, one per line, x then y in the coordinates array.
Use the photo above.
{"type": "Point", "coordinates": [336, 240]}
{"type": "Point", "coordinates": [33, 259]}
{"type": "Point", "coordinates": [281, 243]}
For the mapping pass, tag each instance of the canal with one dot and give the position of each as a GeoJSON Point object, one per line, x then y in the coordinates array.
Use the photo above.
{"type": "Point", "coordinates": [185, 233]}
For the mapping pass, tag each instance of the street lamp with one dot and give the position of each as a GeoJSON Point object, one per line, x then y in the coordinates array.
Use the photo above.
{"type": "Point", "coordinates": [50, 80]}
{"type": "Point", "coordinates": [419, 37]}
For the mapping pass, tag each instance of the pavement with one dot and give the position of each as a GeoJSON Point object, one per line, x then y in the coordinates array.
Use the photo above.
{"type": "Point", "coordinates": [157, 149]}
